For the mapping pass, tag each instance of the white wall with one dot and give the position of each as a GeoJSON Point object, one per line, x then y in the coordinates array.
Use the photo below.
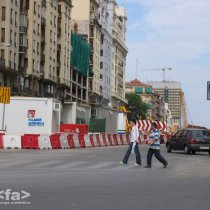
{"type": "Point", "coordinates": [17, 120]}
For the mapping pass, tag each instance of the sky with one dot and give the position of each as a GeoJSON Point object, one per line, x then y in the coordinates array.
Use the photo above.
{"type": "Point", "coordinates": [171, 34]}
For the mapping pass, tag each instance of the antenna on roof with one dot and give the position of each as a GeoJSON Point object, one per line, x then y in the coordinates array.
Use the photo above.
{"type": "Point", "coordinates": [137, 67]}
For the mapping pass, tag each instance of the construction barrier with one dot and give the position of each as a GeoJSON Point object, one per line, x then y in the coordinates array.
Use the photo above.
{"type": "Point", "coordinates": [71, 141]}
{"type": "Point", "coordinates": [30, 141]}
{"type": "Point", "coordinates": [67, 141]}
{"type": "Point", "coordinates": [1, 141]}
{"type": "Point", "coordinates": [64, 141]}
{"type": "Point", "coordinates": [44, 142]}
{"type": "Point", "coordinates": [12, 141]}
{"type": "Point", "coordinates": [55, 141]}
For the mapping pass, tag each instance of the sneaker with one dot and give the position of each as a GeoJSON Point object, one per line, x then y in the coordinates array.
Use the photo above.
{"type": "Point", "coordinates": [165, 166]}
{"type": "Point", "coordinates": [122, 163]}
{"type": "Point", "coordinates": [147, 166]}
{"type": "Point", "coordinates": [136, 164]}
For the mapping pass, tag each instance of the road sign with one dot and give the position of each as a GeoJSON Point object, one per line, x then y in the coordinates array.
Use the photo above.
{"type": "Point", "coordinates": [5, 93]}
{"type": "Point", "coordinates": [208, 90]}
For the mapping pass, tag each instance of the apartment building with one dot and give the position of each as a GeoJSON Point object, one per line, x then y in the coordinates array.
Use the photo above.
{"type": "Point", "coordinates": [9, 42]}
{"type": "Point", "coordinates": [86, 15]}
{"type": "Point", "coordinates": [155, 103]}
{"type": "Point", "coordinates": [106, 54]}
{"type": "Point", "coordinates": [117, 28]}
{"type": "Point", "coordinates": [171, 93]}
{"type": "Point", "coordinates": [38, 61]}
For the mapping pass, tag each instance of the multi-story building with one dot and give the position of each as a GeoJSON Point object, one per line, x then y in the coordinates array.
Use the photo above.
{"type": "Point", "coordinates": [171, 93]}
{"type": "Point", "coordinates": [106, 54]}
{"type": "Point", "coordinates": [9, 42]}
{"type": "Point", "coordinates": [38, 61]}
{"type": "Point", "coordinates": [155, 103]}
{"type": "Point", "coordinates": [117, 28]}
{"type": "Point", "coordinates": [86, 15]}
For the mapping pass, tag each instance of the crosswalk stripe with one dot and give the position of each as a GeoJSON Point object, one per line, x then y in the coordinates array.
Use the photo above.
{"type": "Point", "coordinates": [71, 164]}
{"type": "Point", "coordinates": [15, 163]}
{"type": "Point", "coordinates": [45, 164]}
{"type": "Point", "coordinates": [124, 167]}
{"type": "Point", "coordinates": [100, 165]}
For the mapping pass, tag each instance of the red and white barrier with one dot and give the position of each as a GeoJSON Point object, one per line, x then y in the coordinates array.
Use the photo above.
{"type": "Point", "coordinates": [67, 141]}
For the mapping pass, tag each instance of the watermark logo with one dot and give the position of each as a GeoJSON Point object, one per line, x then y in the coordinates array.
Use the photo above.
{"type": "Point", "coordinates": [14, 198]}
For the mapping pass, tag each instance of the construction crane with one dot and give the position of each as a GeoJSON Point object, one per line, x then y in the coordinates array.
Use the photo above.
{"type": "Point", "coordinates": [161, 69]}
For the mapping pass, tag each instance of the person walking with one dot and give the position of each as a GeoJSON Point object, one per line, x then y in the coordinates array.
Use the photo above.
{"type": "Point", "coordinates": [154, 142]}
{"type": "Point", "coordinates": [134, 135]}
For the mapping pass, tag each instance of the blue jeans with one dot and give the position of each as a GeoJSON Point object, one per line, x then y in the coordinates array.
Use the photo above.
{"type": "Point", "coordinates": [128, 152]}
{"type": "Point", "coordinates": [157, 154]}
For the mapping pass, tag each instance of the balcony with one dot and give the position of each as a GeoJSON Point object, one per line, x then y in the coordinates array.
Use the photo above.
{"type": "Point", "coordinates": [43, 40]}
{"type": "Point", "coordinates": [22, 70]}
{"type": "Point", "coordinates": [23, 29]}
{"type": "Point", "coordinates": [43, 22]}
{"type": "Point", "coordinates": [59, 47]}
{"type": "Point", "coordinates": [2, 62]}
{"type": "Point", "coordinates": [23, 49]}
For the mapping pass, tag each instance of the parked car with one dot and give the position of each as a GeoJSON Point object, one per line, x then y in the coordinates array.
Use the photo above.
{"type": "Point", "coordinates": [190, 140]}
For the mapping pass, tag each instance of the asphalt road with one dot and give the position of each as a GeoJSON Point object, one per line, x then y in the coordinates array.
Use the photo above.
{"type": "Point", "coordinates": [93, 179]}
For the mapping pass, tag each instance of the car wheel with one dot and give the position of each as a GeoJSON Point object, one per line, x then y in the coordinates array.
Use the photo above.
{"type": "Point", "coordinates": [169, 149]}
{"type": "Point", "coordinates": [186, 150]}
{"type": "Point", "coordinates": [193, 152]}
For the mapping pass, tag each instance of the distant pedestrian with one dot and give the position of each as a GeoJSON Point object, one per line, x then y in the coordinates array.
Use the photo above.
{"type": "Point", "coordinates": [154, 142]}
{"type": "Point", "coordinates": [134, 135]}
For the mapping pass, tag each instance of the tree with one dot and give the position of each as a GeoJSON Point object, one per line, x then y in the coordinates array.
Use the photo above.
{"type": "Point", "coordinates": [136, 106]}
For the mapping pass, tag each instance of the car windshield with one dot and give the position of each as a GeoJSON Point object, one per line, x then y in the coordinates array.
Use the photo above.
{"type": "Point", "coordinates": [200, 133]}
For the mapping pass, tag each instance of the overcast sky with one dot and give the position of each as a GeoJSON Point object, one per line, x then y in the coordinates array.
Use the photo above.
{"type": "Point", "coordinates": [176, 34]}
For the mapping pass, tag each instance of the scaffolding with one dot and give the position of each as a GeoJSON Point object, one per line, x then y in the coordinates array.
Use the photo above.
{"type": "Point", "coordinates": [80, 54]}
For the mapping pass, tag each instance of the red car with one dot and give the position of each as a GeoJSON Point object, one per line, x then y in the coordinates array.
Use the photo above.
{"type": "Point", "coordinates": [190, 140]}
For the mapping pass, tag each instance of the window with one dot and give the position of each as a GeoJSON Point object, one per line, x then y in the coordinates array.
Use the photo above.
{"type": "Point", "coordinates": [11, 16]}
{"type": "Point", "coordinates": [33, 65]}
{"type": "Point", "coordinates": [101, 76]}
{"type": "Point", "coordinates": [101, 65]}
{"type": "Point", "coordinates": [2, 53]}
{"type": "Point", "coordinates": [33, 46]}
{"type": "Point", "coordinates": [15, 18]}
{"type": "Point", "coordinates": [15, 39]}
{"type": "Point", "coordinates": [3, 35]}
{"type": "Point", "coordinates": [34, 7]}
{"type": "Point", "coordinates": [38, 29]}
{"type": "Point", "coordinates": [3, 16]}
{"type": "Point", "coordinates": [37, 48]}
{"type": "Point", "coordinates": [101, 53]}
{"type": "Point", "coordinates": [38, 10]}
{"type": "Point", "coordinates": [10, 36]}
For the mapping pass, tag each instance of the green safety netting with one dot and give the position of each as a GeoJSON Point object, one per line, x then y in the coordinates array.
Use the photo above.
{"type": "Point", "coordinates": [80, 54]}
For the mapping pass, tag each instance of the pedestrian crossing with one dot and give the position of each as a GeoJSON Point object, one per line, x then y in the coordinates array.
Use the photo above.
{"type": "Point", "coordinates": [64, 165]}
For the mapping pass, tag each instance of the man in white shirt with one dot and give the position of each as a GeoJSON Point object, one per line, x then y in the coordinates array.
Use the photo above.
{"type": "Point", "coordinates": [134, 135]}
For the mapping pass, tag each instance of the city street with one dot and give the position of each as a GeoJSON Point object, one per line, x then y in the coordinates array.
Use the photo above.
{"type": "Point", "coordinates": [93, 179]}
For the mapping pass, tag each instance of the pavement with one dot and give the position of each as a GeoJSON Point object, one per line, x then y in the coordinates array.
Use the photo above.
{"type": "Point", "coordinates": [93, 179]}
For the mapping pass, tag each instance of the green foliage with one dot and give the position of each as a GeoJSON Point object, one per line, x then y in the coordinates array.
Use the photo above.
{"type": "Point", "coordinates": [136, 106]}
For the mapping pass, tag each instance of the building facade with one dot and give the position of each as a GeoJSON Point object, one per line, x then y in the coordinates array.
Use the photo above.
{"type": "Point", "coordinates": [171, 93]}
{"type": "Point", "coordinates": [86, 15]}
{"type": "Point", "coordinates": [117, 28]}
{"type": "Point", "coordinates": [155, 103]}
{"type": "Point", "coordinates": [106, 55]}
{"type": "Point", "coordinates": [37, 62]}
